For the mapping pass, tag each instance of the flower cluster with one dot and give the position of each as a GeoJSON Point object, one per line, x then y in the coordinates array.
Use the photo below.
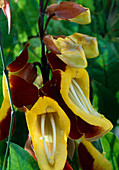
{"type": "Point", "coordinates": [61, 108]}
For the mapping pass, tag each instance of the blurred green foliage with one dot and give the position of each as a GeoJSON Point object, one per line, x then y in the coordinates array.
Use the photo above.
{"type": "Point", "coordinates": [103, 70]}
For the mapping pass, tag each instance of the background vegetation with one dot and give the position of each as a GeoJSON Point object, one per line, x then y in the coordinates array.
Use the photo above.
{"type": "Point", "coordinates": [103, 70]}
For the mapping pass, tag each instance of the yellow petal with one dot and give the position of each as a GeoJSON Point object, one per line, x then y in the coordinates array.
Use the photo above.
{"type": "Point", "coordinates": [5, 113]}
{"type": "Point", "coordinates": [34, 117]}
{"type": "Point", "coordinates": [88, 43]}
{"type": "Point", "coordinates": [6, 103]}
{"type": "Point", "coordinates": [83, 18]}
{"type": "Point", "coordinates": [75, 93]}
{"type": "Point", "coordinates": [91, 158]}
{"type": "Point", "coordinates": [71, 53]}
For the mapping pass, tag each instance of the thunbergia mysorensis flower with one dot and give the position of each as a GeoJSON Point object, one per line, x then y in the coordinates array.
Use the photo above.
{"type": "Point", "coordinates": [49, 128]}
{"type": "Point", "coordinates": [67, 50]}
{"type": "Point", "coordinates": [73, 49]}
{"type": "Point", "coordinates": [91, 158]}
{"type": "Point", "coordinates": [4, 4]}
{"type": "Point", "coordinates": [21, 77]}
{"type": "Point", "coordinates": [70, 88]}
{"type": "Point", "coordinates": [69, 11]}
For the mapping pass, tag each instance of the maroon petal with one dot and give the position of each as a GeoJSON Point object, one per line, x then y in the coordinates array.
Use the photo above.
{"type": "Point", "coordinates": [68, 10]}
{"type": "Point", "coordinates": [50, 44]}
{"type": "Point", "coordinates": [23, 93]}
{"type": "Point", "coordinates": [90, 131]}
{"type": "Point", "coordinates": [29, 73]}
{"type": "Point", "coordinates": [85, 158]}
{"type": "Point", "coordinates": [20, 62]}
{"type": "Point", "coordinates": [55, 62]}
{"type": "Point", "coordinates": [5, 125]}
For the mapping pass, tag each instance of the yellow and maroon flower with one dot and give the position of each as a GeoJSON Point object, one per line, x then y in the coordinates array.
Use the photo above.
{"type": "Point", "coordinates": [74, 49]}
{"type": "Point", "coordinates": [49, 128]}
{"type": "Point", "coordinates": [67, 50]}
{"type": "Point", "coordinates": [70, 88]}
{"type": "Point", "coordinates": [69, 11]}
{"type": "Point", "coordinates": [91, 158]}
{"type": "Point", "coordinates": [21, 77]}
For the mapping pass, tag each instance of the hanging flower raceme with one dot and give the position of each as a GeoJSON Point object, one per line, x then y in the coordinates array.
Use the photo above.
{"type": "Point", "coordinates": [73, 50]}
{"type": "Point", "coordinates": [49, 128]}
{"type": "Point", "coordinates": [70, 88]}
{"type": "Point", "coordinates": [4, 4]}
{"type": "Point", "coordinates": [90, 158]}
{"type": "Point", "coordinates": [69, 11]}
{"type": "Point", "coordinates": [21, 77]}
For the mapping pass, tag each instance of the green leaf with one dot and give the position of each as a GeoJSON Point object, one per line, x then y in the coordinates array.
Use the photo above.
{"type": "Point", "coordinates": [2, 152]}
{"type": "Point", "coordinates": [107, 102]}
{"type": "Point", "coordinates": [110, 144]}
{"type": "Point", "coordinates": [20, 159]}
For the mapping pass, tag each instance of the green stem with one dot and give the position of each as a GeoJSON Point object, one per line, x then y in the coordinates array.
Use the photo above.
{"type": "Point", "coordinates": [5, 72]}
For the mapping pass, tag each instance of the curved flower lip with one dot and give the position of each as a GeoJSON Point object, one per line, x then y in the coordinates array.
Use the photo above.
{"type": "Point", "coordinates": [69, 11]}
{"type": "Point", "coordinates": [68, 51]}
{"type": "Point", "coordinates": [45, 106]}
{"type": "Point", "coordinates": [91, 158]}
{"type": "Point", "coordinates": [92, 126]}
{"type": "Point", "coordinates": [20, 62]}
{"type": "Point", "coordinates": [88, 43]}
{"type": "Point", "coordinates": [89, 122]}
